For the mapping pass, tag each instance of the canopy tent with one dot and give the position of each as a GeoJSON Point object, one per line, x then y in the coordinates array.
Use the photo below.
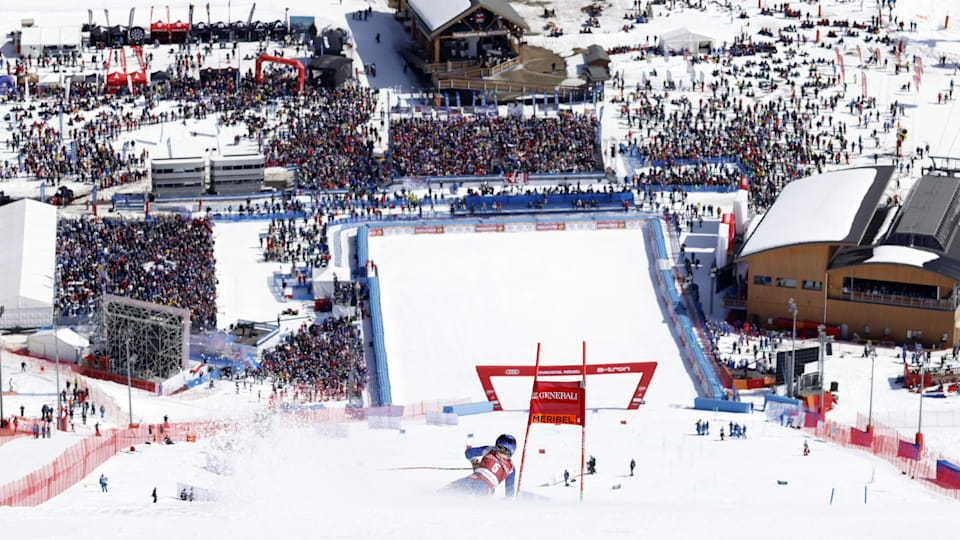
{"type": "Point", "coordinates": [65, 343]}
{"type": "Point", "coordinates": [323, 279]}
{"type": "Point", "coordinates": [28, 245]}
{"type": "Point", "coordinates": [682, 39]}
{"type": "Point", "coordinates": [34, 40]}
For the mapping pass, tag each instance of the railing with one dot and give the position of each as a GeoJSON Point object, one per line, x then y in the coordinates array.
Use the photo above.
{"type": "Point", "coordinates": [896, 300]}
{"type": "Point", "coordinates": [443, 67]}
{"type": "Point", "coordinates": [506, 86]}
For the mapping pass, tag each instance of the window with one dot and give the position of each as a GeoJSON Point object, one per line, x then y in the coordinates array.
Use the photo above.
{"type": "Point", "coordinates": [786, 282]}
{"type": "Point", "coordinates": [761, 280]}
{"type": "Point", "coordinates": [812, 285]}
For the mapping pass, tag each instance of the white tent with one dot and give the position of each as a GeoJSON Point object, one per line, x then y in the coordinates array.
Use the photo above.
{"type": "Point", "coordinates": [682, 39]}
{"type": "Point", "coordinates": [66, 343]}
{"type": "Point", "coordinates": [33, 40]}
{"type": "Point", "coordinates": [27, 263]}
{"type": "Point", "coordinates": [322, 280]}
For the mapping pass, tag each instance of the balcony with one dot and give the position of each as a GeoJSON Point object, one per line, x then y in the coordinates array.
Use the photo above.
{"type": "Point", "coordinates": [895, 300]}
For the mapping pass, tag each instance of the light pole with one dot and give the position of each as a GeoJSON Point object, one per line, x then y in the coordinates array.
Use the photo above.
{"type": "Point", "coordinates": [822, 337]}
{"type": "Point", "coordinates": [919, 439]}
{"type": "Point", "coordinates": [713, 283]}
{"type": "Point", "coordinates": [129, 392]}
{"type": "Point", "coordinates": [793, 353]}
{"type": "Point", "coordinates": [872, 351]}
{"type": "Point", "coordinates": [56, 347]}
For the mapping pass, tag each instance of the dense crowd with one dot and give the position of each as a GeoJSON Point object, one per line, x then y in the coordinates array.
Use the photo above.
{"type": "Point", "coordinates": [491, 145]}
{"type": "Point", "coordinates": [292, 241]}
{"type": "Point", "coordinates": [166, 260]}
{"type": "Point", "coordinates": [327, 354]}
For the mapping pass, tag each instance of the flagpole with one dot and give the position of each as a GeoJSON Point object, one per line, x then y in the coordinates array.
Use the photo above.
{"type": "Point", "coordinates": [583, 421]}
{"type": "Point", "coordinates": [523, 455]}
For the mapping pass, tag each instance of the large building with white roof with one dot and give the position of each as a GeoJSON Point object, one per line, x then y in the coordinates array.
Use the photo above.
{"type": "Point", "coordinates": [854, 258]}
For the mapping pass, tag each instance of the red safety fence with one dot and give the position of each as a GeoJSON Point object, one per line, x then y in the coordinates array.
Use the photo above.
{"type": "Point", "coordinates": [887, 444]}
{"type": "Point", "coordinates": [84, 457]}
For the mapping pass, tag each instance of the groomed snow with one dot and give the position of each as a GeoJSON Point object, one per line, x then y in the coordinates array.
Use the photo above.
{"type": "Point", "coordinates": [819, 208]}
{"type": "Point", "coordinates": [488, 298]}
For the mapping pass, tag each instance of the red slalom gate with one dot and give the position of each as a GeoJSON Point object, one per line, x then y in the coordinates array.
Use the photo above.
{"type": "Point", "coordinates": [645, 369]}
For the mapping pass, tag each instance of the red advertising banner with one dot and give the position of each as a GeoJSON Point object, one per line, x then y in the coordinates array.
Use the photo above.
{"type": "Point", "coordinates": [644, 369]}
{"type": "Point", "coordinates": [375, 232]}
{"type": "Point", "coordinates": [558, 403]}
{"type": "Point", "coordinates": [428, 229]}
{"type": "Point", "coordinates": [611, 225]}
{"type": "Point", "coordinates": [553, 226]}
{"type": "Point", "coordinates": [488, 227]}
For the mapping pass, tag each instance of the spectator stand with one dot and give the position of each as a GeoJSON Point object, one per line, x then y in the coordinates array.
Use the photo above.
{"type": "Point", "coordinates": [634, 162]}
{"type": "Point", "coordinates": [455, 182]}
{"type": "Point", "coordinates": [542, 203]}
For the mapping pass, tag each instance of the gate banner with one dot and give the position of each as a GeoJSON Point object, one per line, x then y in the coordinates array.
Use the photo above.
{"type": "Point", "coordinates": [558, 403]}
{"type": "Point", "coordinates": [644, 369]}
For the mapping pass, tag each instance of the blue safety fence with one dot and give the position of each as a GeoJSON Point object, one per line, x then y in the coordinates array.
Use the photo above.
{"type": "Point", "coordinates": [383, 396]}
{"type": "Point", "coordinates": [553, 200]}
{"type": "Point", "coordinates": [721, 405]}
{"type": "Point", "coordinates": [363, 249]}
{"type": "Point", "coordinates": [233, 218]}
{"type": "Point", "coordinates": [466, 409]}
{"type": "Point", "coordinates": [703, 364]}
{"type": "Point", "coordinates": [781, 399]}
{"type": "Point", "coordinates": [231, 197]}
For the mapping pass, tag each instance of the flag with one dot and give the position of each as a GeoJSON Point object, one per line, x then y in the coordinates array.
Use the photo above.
{"type": "Point", "coordinates": [474, 104]}
{"type": "Point", "coordinates": [483, 99]}
{"type": "Point", "coordinates": [43, 192]}
{"type": "Point", "coordinates": [458, 100]}
{"type": "Point", "coordinates": [169, 148]}
{"type": "Point", "coordinates": [533, 98]}
{"type": "Point", "coordinates": [61, 121]}
{"type": "Point", "coordinates": [496, 102]}
{"type": "Point", "coordinates": [556, 97]}
{"type": "Point", "coordinates": [595, 96]}
{"type": "Point", "coordinates": [446, 102]}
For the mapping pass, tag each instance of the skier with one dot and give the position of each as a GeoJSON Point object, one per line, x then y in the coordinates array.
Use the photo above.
{"type": "Point", "coordinates": [103, 483]}
{"type": "Point", "coordinates": [566, 478]}
{"type": "Point", "coordinates": [633, 465]}
{"type": "Point", "coordinates": [721, 433]}
{"type": "Point", "coordinates": [592, 465]}
{"type": "Point", "coordinates": [154, 495]}
{"type": "Point", "coordinates": [806, 448]}
{"type": "Point", "coordinates": [491, 466]}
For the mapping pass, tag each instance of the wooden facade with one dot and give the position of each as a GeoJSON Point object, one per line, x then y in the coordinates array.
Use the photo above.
{"type": "Point", "coordinates": [464, 32]}
{"type": "Point", "coordinates": [800, 272]}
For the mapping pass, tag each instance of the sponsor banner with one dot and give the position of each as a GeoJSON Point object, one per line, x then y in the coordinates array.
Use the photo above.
{"type": "Point", "coordinates": [558, 403]}
{"type": "Point", "coordinates": [489, 227]}
{"type": "Point", "coordinates": [428, 229]}
{"type": "Point", "coordinates": [611, 225]}
{"type": "Point", "coordinates": [554, 226]}
{"type": "Point", "coordinates": [375, 232]}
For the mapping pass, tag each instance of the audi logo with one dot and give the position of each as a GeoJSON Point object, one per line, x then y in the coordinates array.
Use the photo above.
{"type": "Point", "coordinates": [511, 372]}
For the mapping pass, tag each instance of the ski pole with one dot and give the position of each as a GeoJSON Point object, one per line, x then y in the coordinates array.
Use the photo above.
{"type": "Point", "coordinates": [430, 469]}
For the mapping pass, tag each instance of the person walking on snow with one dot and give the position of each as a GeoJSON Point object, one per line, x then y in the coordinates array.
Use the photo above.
{"type": "Point", "coordinates": [103, 483]}
{"type": "Point", "coordinates": [491, 467]}
{"type": "Point", "coordinates": [806, 449]}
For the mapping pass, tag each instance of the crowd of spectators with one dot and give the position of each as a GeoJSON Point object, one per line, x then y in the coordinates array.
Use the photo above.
{"type": "Point", "coordinates": [164, 260]}
{"type": "Point", "coordinates": [491, 145]}
{"type": "Point", "coordinates": [327, 354]}
{"type": "Point", "coordinates": [295, 240]}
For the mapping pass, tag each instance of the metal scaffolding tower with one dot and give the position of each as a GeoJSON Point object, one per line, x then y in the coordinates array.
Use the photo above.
{"type": "Point", "coordinates": [157, 335]}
